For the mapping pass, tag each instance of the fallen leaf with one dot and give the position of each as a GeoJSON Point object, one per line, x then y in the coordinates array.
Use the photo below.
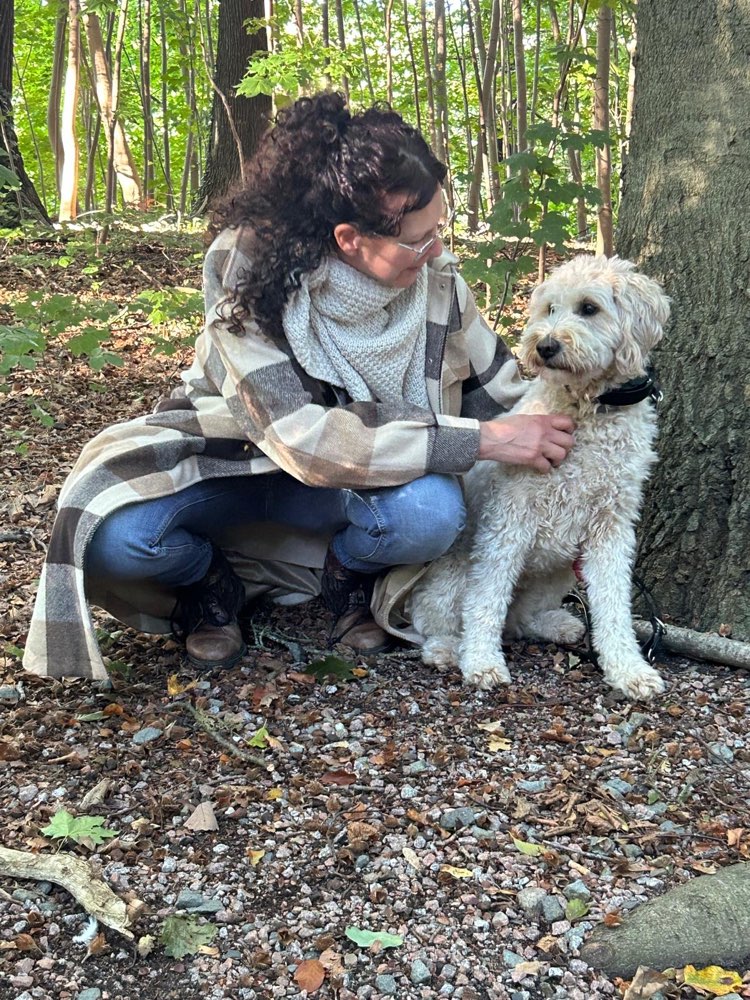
{"type": "Point", "coordinates": [498, 743]}
{"type": "Point", "coordinates": [612, 919]}
{"type": "Point", "coordinates": [202, 818]}
{"type": "Point", "coordinates": [65, 826]}
{"type": "Point", "coordinates": [367, 938]}
{"type": "Point", "coordinates": [713, 979]}
{"type": "Point", "coordinates": [412, 857]}
{"type": "Point", "coordinates": [645, 983]}
{"type": "Point", "coordinates": [255, 856]}
{"type": "Point", "coordinates": [457, 872]}
{"type": "Point", "coordinates": [97, 945]}
{"type": "Point", "coordinates": [259, 738]}
{"type": "Point", "coordinates": [146, 945]}
{"type": "Point", "coordinates": [185, 935]}
{"type": "Point", "coordinates": [94, 796]}
{"type": "Point", "coordinates": [575, 909]}
{"type": "Point", "coordinates": [331, 961]}
{"type": "Point", "coordinates": [495, 726]}
{"type": "Point", "coordinates": [523, 969]}
{"type": "Point", "coordinates": [175, 685]}
{"type": "Point", "coordinates": [273, 794]}
{"type": "Point", "coordinates": [361, 831]}
{"type": "Point", "coordinates": [309, 975]}
{"type": "Point", "coordinates": [331, 667]}
{"type": "Point", "coordinates": [25, 942]}
{"type": "Point", "coordinates": [294, 675]}
{"type": "Point", "coordinates": [338, 778]}
{"type": "Point", "coordinates": [533, 850]}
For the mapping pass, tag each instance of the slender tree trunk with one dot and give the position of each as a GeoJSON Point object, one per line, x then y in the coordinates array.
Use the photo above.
{"type": "Point", "coordinates": [520, 63]}
{"type": "Point", "coordinates": [537, 56]}
{"type": "Point", "coordinates": [299, 20]}
{"type": "Point", "coordinates": [69, 129]}
{"type": "Point", "coordinates": [439, 84]}
{"type": "Point", "coordinates": [413, 65]}
{"type": "Point", "coordinates": [365, 60]}
{"type": "Point", "coordinates": [56, 89]}
{"type": "Point", "coordinates": [236, 120]}
{"type": "Point", "coordinates": [427, 62]}
{"type": "Point", "coordinates": [685, 215]}
{"type": "Point", "coordinates": [487, 62]}
{"type": "Point", "coordinates": [388, 51]}
{"type": "Point", "coordinates": [144, 24]}
{"type": "Point", "coordinates": [165, 110]}
{"type": "Point", "coordinates": [604, 235]}
{"type": "Point", "coordinates": [118, 151]}
{"type": "Point", "coordinates": [340, 28]}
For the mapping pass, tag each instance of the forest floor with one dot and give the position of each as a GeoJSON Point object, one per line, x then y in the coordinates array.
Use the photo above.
{"type": "Point", "coordinates": [391, 799]}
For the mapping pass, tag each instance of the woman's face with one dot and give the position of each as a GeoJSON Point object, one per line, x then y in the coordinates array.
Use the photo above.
{"type": "Point", "coordinates": [396, 260]}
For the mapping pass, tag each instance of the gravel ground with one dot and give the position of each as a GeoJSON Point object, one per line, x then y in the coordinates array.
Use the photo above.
{"type": "Point", "coordinates": [392, 800]}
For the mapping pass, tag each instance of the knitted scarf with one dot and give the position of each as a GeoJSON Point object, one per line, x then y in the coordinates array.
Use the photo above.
{"type": "Point", "coordinates": [351, 331]}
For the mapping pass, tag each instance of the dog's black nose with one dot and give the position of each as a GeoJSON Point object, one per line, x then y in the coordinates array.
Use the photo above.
{"type": "Point", "coordinates": [548, 348]}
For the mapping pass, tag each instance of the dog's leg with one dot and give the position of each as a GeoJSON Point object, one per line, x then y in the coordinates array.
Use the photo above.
{"type": "Point", "coordinates": [607, 570]}
{"type": "Point", "coordinates": [435, 609]}
{"type": "Point", "coordinates": [536, 611]}
{"type": "Point", "coordinates": [495, 566]}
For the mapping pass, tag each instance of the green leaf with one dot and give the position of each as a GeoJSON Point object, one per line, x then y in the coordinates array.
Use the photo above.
{"type": "Point", "coordinates": [331, 666]}
{"type": "Point", "coordinates": [185, 935]}
{"type": "Point", "coordinates": [259, 739]}
{"type": "Point", "coordinates": [364, 939]}
{"type": "Point", "coordinates": [65, 826]}
{"type": "Point", "coordinates": [91, 717]}
{"type": "Point", "coordinates": [575, 909]}
{"type": "Point", "coordinates": [525, 847]}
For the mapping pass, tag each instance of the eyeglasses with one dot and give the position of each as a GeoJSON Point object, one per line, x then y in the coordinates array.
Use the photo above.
{"type": "Point", "coordinates": [442, 229]}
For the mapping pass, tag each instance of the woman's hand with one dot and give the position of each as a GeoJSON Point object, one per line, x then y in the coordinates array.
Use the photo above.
{"type": "Point", "coordinates": [540, 441]}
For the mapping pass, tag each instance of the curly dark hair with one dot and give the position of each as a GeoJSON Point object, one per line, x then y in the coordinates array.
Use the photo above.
{"type": "Point", "coordinates": [319, 166]}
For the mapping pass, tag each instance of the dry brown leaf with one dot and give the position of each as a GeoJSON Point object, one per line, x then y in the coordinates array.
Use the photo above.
{"type": "Point", "coordinates": [645, 983]}
{"type": "Point", "coordinates": [361, 831]}
{"type": "Point", "coordinates": [25, 942]}
{"type": "Point", "coordinates": [97, 945]}
{"type": "Point", "coordinates": [202, 818]}
{"type": "Point", "coordinates": [310, 975]}
{"type": "Point", "coordinates": [612, 919]}
{"type": "Point", "coordinates": [338, 778]}
{"type": "Point", "coordinates": [331, 961]}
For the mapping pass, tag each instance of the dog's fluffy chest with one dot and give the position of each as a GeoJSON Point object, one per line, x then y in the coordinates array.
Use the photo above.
{"type": "Point", "coordinates": [600, 480]}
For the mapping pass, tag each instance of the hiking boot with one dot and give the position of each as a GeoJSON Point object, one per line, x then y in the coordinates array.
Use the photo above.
{"type": "Point", "coordinates": [347, 594]}
{"type": "Point", "coordinates": [205, 616]}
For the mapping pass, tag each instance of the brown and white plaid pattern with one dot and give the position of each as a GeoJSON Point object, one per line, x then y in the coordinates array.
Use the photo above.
{"type": "Point", "coordinates": [246, 407]}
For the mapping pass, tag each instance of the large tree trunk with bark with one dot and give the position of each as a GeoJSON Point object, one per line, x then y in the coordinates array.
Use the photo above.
{"type": "Point", "coordinates": [249, 116]}
{"type": "Point", "coordinates": [686, 217]}
{"type": "Point", "coordinates": [13, 203]}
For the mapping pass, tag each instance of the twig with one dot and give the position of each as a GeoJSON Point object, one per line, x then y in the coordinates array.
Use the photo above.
{"type": "Point", "coordinates": [208, 726]}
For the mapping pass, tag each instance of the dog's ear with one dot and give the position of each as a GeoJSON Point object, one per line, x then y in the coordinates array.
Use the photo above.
{"type": "Point", "coordinates": [644, 309]}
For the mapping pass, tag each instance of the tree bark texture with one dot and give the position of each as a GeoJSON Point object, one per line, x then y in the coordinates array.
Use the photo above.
{"type": "Point", "coordinates": [686, 218]}
{"type": "Point", "coordinates": [69, 126]}
{"type": "Point", "coordinates": [234, 49]}
{"type": "Point", "coordinates": [12, 203]}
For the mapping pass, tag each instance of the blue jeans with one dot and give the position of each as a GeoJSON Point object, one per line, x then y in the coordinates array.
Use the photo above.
{"type": "Point", "coordinates": [168, 540]}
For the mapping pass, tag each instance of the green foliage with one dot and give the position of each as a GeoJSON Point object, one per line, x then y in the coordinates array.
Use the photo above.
{"type": "Point", "coordinates": [185, 935]}
{"type": "Point", "coordinates": [536, 206]}
{"type": "Point", "coordinates": [87, 830]}
{"type": "Point", "coordinates": [331, 667]}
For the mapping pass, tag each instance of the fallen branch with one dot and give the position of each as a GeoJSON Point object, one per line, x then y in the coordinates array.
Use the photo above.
{"type": "Point", "coordinates": [699, 645]}
{"type": "Point", "coordinates": [76, 876]}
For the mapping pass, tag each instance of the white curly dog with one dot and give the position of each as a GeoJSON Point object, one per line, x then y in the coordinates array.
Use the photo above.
{"type": "Point", "coordinates": [591, 326]}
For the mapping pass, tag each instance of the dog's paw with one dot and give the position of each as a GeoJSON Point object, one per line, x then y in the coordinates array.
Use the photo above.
{"type": "Point", "coordinates": [636, 679]}
{"type": "Point", "coordinates": [485, 672]}
{"type": "Point", "coordinates": [557, 625]}
{"type": "Point", "coordinates": [440, 651]}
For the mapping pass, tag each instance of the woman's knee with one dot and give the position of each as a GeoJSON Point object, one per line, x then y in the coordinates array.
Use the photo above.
{"type": "Point", "coordinates": [423, 518]}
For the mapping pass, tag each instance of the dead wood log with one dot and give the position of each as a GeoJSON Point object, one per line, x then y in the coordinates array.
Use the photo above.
{"type": "Point", "coordinates": [699, 645]}
{"type": "Point", "coordinates": [77, 877]}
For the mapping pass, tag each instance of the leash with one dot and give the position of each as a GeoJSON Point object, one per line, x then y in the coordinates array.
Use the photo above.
{"type": "Point", "coordinates": [649, 648]}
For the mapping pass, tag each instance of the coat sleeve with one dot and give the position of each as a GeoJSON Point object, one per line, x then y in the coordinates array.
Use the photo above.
{"type": "Point", "coordinates": [495, 384]}
{"type": "Point", "coordinates": [361, 445]}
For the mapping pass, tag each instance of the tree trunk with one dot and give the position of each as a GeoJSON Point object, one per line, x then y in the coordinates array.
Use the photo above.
{"type": "Point", "coordinates": [685, 216]}
{"type": "Point", "coordinates": [249, 115]}
{"type": "Point", "coordinates": [413, 65]}
{"type": "Point", "coordinates": [68, 130]}
{"type": "Point", "coordinates": [56, 88]}
{"type": "Point", "coordinates": [601, 121]}
{"type": "Point", "coordinates": [144, 27]}
{"type": "Point", "coordinates": [439, 86]}
{"type": "Point", "coordinates": [340, 30]}
{"type": "Point", "coordinates": [428, 72]}
{"type": "Point", "coordinates": [119, 150]}
{"type": "Point", "coordinates": [13, 203]}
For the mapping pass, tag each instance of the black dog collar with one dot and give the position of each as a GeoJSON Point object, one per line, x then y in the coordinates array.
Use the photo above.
{"type": "Point", "coordinates": [634, 391]}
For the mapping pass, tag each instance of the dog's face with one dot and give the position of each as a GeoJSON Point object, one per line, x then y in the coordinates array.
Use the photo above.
{"type": "Point", "coordinates": [594, 318]}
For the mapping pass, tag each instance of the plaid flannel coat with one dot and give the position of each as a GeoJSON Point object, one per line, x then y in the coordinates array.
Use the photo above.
{"type": "Point", "coordinates": [247, 407]}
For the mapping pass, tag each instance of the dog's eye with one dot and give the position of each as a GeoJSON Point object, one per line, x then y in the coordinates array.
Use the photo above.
{"type": "Point", "coordinates": [588, 309]}
{"type": "Point", "coordinates": [551, 308]}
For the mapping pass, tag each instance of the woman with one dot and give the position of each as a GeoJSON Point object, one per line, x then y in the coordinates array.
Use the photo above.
{"type": "Point", "coordinates": [343, 381]}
